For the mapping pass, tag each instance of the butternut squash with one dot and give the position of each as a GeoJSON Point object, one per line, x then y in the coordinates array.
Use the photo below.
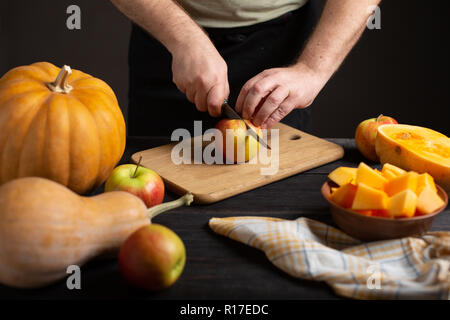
{"type": "Point", "coordinates": [45, 227]}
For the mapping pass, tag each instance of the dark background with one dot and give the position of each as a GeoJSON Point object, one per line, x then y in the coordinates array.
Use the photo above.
{"type": "Point", "coordinates": [401, 70]}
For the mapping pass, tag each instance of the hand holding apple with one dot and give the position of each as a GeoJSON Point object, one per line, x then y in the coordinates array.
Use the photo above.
{"type": "Point", "coordinates": [152, 258]}
{"type": "Point", "coordinates": [366, 134]}
{"type": "Point", "coordinates": [142, 182]}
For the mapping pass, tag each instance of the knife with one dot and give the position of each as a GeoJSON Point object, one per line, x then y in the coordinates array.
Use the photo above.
{"type": "Point", "coordinates": [230, 113]}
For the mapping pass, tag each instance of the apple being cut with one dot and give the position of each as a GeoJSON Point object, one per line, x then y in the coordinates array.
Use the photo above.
{"type": "Point", "coordinates": [152, 258]}
{"type": "Point", "coordinates": [140, 181]}
{"type": "Point", "coordinates": [366, 134]}
{"type": "Point", "coordinates": [245, 146]}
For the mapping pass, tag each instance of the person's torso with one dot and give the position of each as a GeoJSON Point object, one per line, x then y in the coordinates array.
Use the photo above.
{"type": "Point", "coordinates": [237, 13]}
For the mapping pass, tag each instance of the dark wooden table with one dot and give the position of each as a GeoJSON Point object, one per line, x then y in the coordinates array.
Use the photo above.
{"type": "Point", "coordinates": [217, 267]}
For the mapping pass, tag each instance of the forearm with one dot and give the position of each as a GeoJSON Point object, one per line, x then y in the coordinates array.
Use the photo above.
{"type": "Point", "coordinates": [164, 20]}
{"type": "Point", "coordinates": [272, 94]}
{"type": "Point", "coordinates": [339, 28]}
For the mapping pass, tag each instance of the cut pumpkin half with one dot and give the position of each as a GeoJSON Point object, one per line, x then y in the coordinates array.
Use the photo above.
{"type": "Point", "coordinates": [415, 148]}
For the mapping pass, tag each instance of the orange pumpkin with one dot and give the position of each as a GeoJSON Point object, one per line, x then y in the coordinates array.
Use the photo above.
{"type": "Point", "coordinates": [62, 125]}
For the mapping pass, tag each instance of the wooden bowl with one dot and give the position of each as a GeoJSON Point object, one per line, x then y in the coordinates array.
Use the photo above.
{"type": "Point", "coordinates": [369, 228]}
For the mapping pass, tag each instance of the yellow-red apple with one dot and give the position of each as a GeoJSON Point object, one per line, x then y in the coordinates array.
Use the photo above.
{"type": "Point", "coordinates": [152, 258]}
{"type": "Point", "coordinates": [366, 134]}
{"type": "Point", "coordinates": [245, 146]}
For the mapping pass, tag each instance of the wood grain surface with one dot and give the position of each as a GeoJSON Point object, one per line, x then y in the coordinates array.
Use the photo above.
{"type": "Point", "coordinates": [298, 152]}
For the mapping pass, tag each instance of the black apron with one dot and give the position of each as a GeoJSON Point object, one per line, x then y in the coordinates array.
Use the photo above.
{"type": "Point", "coordinates": [157, 107]}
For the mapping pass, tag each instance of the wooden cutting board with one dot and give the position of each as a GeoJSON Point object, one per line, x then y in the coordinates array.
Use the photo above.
{"type": "Point", "coordinates": [298, 151]}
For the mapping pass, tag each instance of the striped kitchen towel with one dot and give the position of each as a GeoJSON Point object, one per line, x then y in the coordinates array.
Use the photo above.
{"type": "Point", "coordinates": [408, 268]}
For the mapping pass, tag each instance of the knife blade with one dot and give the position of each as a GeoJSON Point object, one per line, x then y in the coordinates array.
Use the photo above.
{"type": "Point", "coordinates": [230, 113]}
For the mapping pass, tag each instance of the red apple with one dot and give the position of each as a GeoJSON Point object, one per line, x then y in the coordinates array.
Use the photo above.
{"type": "Point", "coordinates": [152, 258]}
{"type": "Point", "coordinates": [140, 181]}
{"type": "Point", "coordinates": [366, 134]}
{"type": "Point", "coordinates": [245, 146]}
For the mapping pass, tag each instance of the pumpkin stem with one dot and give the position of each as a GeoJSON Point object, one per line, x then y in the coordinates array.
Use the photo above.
{"type": "Point", "coordinates": [60, 85]}
{"type": "Point", "coordinates": [185, 200]}
{"type": "Point", "coordinates": [137, 167]}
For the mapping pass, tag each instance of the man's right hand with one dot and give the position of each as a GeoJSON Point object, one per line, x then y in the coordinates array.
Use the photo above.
{"type": "Point", "coordinates": [200, 72]}
{"type": "Point", "coordinates": [198, 69]}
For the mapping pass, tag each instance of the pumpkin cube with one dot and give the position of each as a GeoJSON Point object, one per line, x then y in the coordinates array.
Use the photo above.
{"type": "Point", "coordinates": [344, 195]}
{"type": "Point", "coordinates": [394, 169]}
{"type": "Point", "coordinates": [429, 201]}
{"type": "Point", "coordinates": [343, 175]}
{"type": "Point", "coordinates": [389, 175]}
{"type": "Point", "coordinates": [370, 177]}
{"type": "Point", "coordinates": [368, 198]}
{"type": "Point", "coordinates": [403, 204]}
{"type": "Point", "coordinates": [401, 183]}
{"type": "Point", "coordinates": [425, 180]}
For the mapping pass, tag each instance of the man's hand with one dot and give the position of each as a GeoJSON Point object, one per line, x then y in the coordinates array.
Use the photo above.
{"type": "Point", "coordinates": [200, 72]}
{"type": "Point", "coordinates": [274, 93]}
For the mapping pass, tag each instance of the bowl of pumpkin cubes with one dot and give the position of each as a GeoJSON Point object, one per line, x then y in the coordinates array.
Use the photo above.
{"type": "Point", "coordinates": [371, 204]}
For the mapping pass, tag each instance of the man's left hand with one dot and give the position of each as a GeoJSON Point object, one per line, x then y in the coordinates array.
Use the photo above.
{"type": "Point", "coordinates": [274, 93]}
